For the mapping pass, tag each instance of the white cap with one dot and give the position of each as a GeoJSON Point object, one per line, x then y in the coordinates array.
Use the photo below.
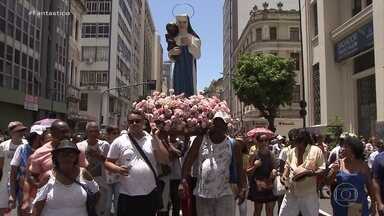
{"type": "Point", "coordinates": [39, 129]}
{"type": "Point", "coordinates": [223, 115]}
{"type": "Point", "coordinates": [347, 134]}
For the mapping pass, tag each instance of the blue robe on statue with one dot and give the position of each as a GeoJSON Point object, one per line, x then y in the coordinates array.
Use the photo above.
{"type": "Point", "coordinates": [183, 73]}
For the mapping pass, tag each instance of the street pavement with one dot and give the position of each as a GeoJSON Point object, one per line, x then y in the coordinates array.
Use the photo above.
{"type": "Point", "coordinates": [325, 208]}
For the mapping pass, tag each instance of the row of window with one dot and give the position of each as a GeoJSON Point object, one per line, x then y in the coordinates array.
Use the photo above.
{"type": "Point", "coordinates": [18, 78]}
{"type": "Point", "coordinates": [93, 78]}
{"type": "Point", "coordinates": [20, 85]}
{"type": "Point", "coordinates": [124, 29]}
{"type": "Point", "coordinates": [98, 7]}
{"type": "Point", "coordinates": [123, 49]}
{"type": "Point", "coordinates": [94, 53]}
{"type": "Point", "coordinates": [123, 68]}
{"type": "Point", "coordinates": [124, 92]}
{"type": "Point", "coordinates": [95, 30]}
{"type": "Point", "coordinates": [18, 57]}
{"type": "Point", "coordinates": [126, 12]}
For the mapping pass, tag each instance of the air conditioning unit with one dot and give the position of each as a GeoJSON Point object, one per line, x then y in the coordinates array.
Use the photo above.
{"type": "Point", "coordinates": [89, 60]}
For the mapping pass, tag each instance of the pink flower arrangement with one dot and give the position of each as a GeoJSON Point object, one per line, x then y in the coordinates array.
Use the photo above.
{"type": "Point", "coordinates": [179, 113]}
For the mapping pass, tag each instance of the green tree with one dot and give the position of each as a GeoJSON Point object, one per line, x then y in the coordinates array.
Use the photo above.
{"type": "Point", "coordinates": [265, 81]}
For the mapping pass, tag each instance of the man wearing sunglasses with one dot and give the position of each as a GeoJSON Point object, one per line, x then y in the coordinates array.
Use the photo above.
{"type": "Point", "coordinates": [138, 189]}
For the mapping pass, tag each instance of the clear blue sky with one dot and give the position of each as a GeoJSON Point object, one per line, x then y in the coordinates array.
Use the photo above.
{"type": "Point", "coordinates": [207, 22]}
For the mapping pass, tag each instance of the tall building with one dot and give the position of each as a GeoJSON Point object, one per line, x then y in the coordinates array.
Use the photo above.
{"type": "Point", "coordinates": [118, 46]}
{"type": "Point", "coordinates": [149, 48]}
{"type": "Point", "coordinates": [33, 60]}
{"type": "Point", "coordinates": [167, 76]}
{"type": "Point", "coordinates": [274, 31]}
{"type": "Point", "coordinates": [74, 59]}
{"type": "Point", "coordinates": [157, 71]}
{"type": "Point", "coordinates": [344, 64]}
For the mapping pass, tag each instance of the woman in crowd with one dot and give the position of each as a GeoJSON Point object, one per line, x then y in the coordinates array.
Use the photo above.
{"type": "Point", "coordinates": [262, 171]}
{"type": "Point", "coordinates": [65, 194]}
{"type": "Point", "coordinates": [350, 175]}
{"type": "Point", "coordinates": [19, 166]}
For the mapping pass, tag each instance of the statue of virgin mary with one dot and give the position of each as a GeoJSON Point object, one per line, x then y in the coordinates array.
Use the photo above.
{"type": "Point", "coordinates": [184, 55]}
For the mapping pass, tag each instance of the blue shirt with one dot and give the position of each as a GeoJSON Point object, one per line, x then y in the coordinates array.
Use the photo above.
{"type": "Point", "coordinates": [378, 172]}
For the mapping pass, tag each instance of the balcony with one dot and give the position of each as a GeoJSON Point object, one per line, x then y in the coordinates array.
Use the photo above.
{"type": "Point", "coordinates": [73, 93]}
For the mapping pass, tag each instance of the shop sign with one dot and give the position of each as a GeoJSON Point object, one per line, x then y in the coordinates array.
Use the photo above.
{"type": "Point", "coordinates": [31, 103]}
{"type": "Point", "coordinates": [355, 43]}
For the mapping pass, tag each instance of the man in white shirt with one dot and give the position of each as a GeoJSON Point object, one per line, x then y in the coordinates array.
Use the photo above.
{"type": "Point", "coordinates": [7, 150]}
{"type": "Point", "coordinates": [138, 192]}
{"type": "Point", "coordinates": [307, 160]}
{"type": "Point", "coordinates": [96, 151]}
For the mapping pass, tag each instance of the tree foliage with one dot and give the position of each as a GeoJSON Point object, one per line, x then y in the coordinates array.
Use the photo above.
{"type": "Point", "coordinates": [265, 81]}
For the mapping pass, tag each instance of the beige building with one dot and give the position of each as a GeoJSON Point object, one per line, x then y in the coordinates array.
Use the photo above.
{"type": "Point", "coordinates": [167, 76]}
{"type": "Point", "coordinates": [343, 63]}
{"type": "Point", "coordinates": [74, 59]}
{"type": "Point", "coordinates": [114, 54]}
{"type": "Point", "coordinates": [157, 71]}
{"type": "Point", "coordinates": [274, 31]}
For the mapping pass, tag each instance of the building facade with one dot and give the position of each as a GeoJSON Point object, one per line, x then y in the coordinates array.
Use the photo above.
{"type": "Point", "coordinates": [167, 76]}
{"type": "Point", "coordinates": [344, 64]}
{"type": "Point", "coordinates": [33, 60]}
{"type": "Point", "coordinates": [114, 55]}
{"type": "Point", "coordinates": [74, 59]}
{"type": "Point", "coordinates": [274, 31]}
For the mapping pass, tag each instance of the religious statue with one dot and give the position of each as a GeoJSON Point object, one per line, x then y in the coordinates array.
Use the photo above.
{"type": "Point", "coordinates": [183, 49]}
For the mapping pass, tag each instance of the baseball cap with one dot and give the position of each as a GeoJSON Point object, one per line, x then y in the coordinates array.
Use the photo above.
{"type": "Point", "coordinates": [16, 126]}
{"type": "Point", "coordinates": [39, 129]}
{"type": "Point", "coordinates": [223, 115]}
{"type": "Point", "coordinates": [66, 144]}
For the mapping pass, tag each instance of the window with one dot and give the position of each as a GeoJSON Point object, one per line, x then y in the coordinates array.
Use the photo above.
{"type": "Point", "coordinates": [296, 94]}
{"type": "Point", "coordinates": [2, 25]}
{"type": "Point", "coordinates": [294, 34]}
{"type": "Point", "coordinates": [83, 102]}
{"type": "Point", "coordinates": [272, 33]}
{"type": "Point", "coordinates": [316, 94]}
{"type": "Point", "coordinates": [124, 29]}
{"type": "Point", "coordinates": [123, 49]}
{"type": "Point", "coordinates": [102, 53]}
{"type": "Point", "coordinates": [315, 19]}
{"type": "Point", "coordinates": [77, 30]}
{"type": "Point", "coordinates": [296, 58]}
{"type": "Point", "coordinates": [126, 13]}
{"type": "Point", "coordinates": [2, 49]}
{"type": "Point", "coordinates": [17, 56]}
{"type": "Point", "coordinates": [93, 78]}
{"type": "Point", "coordinates": [88, 30]}
{"type": "Point", "coordinates": [95, 30]}
{"type": "Point", "coordinates": [103, 30]}
{"type": "Point", "coordinates": [98, 7]}
{"type": "Point", "coordinates": [9, 53]}
{"type": "Point", "coordinates": [88, 53]}
{"type": "Point", "coordinates": [356, 7]}
{"type": "Point", "coordinates": [2, 11]}
{"type": "Point", "coordinates": [364, 62]}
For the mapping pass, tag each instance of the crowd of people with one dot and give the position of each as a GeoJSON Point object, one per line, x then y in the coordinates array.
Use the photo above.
{"type": "Point", "coordinates": [146, 171]}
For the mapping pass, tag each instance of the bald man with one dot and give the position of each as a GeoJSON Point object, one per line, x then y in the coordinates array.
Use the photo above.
{"type": "Point", "coordinates": [96, 151]}
{"type": "Point", "coordinates": [41, 159]}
